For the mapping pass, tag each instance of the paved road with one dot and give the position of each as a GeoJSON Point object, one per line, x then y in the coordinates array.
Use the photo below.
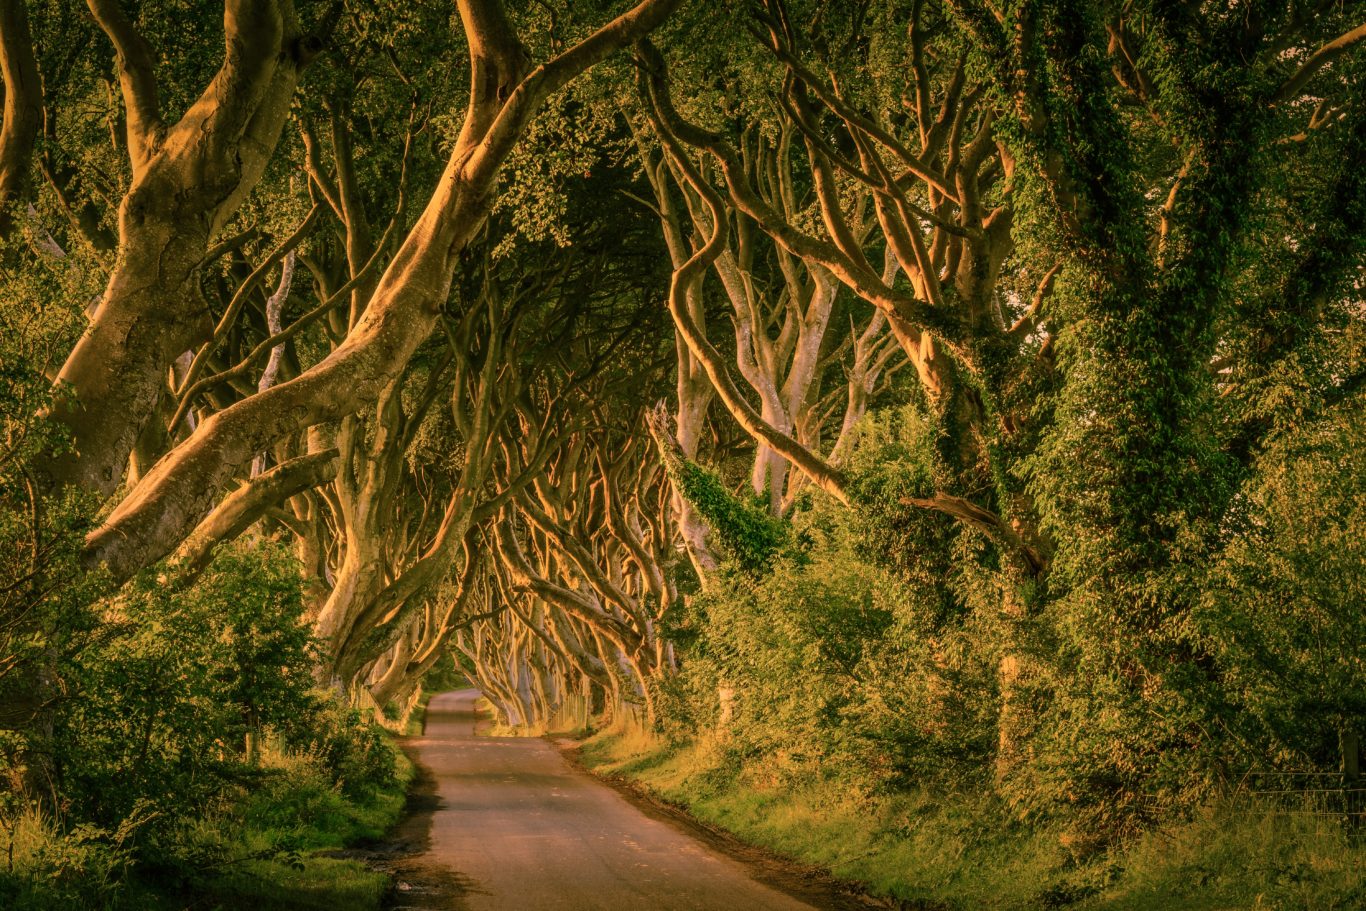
{"type": "Point", "coordinates": [524, 831]}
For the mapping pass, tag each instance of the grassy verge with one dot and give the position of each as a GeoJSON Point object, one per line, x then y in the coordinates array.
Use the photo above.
{"type": "Point", "coordinates": [262, 845]}
{"type": "Point", "coordinates": [417, 719]}
{"type": "Point", "coordinates": [284, 830]}
{"type": "Point", "coordinates": [961, 851]}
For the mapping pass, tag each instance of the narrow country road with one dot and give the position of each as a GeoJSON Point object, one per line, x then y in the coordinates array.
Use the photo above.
{"type": "Point", "coordinates": [521, 830]}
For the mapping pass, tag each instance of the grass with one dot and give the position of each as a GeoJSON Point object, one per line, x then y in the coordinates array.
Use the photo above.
{"type": "Point", "coordinates": [306, 816]}
{"type": "Point", "coordinates": [962, 851]}
{"type": "Point", "coordinates": [320, 883]}
{"type": "Point", "coordinates": [263, 846]}
{"type": "Point", "coordinates": [417, 718]}
{"type": "Point", "coordinates": [1223, 859]}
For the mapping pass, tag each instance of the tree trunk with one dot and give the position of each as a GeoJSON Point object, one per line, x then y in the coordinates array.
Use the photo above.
{"type": "Point", "coordinates": [188, 180]}
{"type": "Point", "coordinates": [401, 313]}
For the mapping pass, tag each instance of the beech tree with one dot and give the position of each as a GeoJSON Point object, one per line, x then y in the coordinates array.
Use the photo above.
{"type": "Point", "coordinates": [905, 384]}
{"type": "Point", "coordinates": [188, 178]}
{"type": "Point", "coordinates": [504, 95]}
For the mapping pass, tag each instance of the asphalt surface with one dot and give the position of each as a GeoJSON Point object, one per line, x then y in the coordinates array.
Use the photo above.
{"type": "Point", "coordinates": [516, 828]}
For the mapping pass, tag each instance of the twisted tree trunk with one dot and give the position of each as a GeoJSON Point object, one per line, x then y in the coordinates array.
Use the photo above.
{"type": "Point", "coordinates": [188, 180]}
{"type": "Point", "coordinates": [401, 313]}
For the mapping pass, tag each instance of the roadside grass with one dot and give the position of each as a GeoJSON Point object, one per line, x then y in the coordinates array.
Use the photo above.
{"type": "Point", "coordinates": [960, 851]}
{"type": "Point", "coordinates": [283, 828]}
{"type": "Point", "coordinates": [1227, 859]}
{"type": "Point", "coordinates": [324, 884]}
{"type": "Point", "coordinates": [417, 718]}
{"type": "Point", "coordinates": [262, 846]}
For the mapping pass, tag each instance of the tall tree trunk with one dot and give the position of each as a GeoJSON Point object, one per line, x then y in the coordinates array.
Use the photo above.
{"type": "Point", "coordinates": [22, 113]}
{"type": "Point", "coordinates": [404, 307]}
{"type": "Point", "coordinates": [188, 180]}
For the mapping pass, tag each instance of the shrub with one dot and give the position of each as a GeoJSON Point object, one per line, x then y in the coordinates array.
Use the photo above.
{"type": "Point", "coordinates": [1282, 606]}
{"type": "Point", "coordinates": [160, 710]}
{"type": "Point", "coordinates": [47, 868]}
{"type": "Point", "coordinates": [354, 751]}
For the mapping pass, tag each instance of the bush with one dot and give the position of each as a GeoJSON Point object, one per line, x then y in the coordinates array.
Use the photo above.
{"type": "Point", "coordinates": [160, 710]}
{"type": "Point", "coordinates": [1282, 607]}
{"type": "Point", "coordinates": [355, 752]}
{"type": "Point", "coordinates": [46, 868]}
{"type": "Point", "coordinates": [838, 664]}
{"type": "Point", "coordinates": [149, 771]}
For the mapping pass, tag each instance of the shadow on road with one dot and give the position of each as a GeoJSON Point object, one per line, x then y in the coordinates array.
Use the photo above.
{"type": "Point", "coordinates": [417, 886]}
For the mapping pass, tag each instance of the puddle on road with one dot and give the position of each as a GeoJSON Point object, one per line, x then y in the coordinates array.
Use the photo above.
{"type": "Point", "coordinates": [423, 888]}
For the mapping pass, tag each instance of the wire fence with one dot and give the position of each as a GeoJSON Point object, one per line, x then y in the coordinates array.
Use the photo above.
{"type": "Point", "coordinates": [1330, 797]}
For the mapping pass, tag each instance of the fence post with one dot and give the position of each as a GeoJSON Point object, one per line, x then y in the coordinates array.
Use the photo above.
{"type": "Point", "coordinates": [1350, 742]}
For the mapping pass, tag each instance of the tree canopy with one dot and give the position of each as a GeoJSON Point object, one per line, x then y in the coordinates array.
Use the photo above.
{"type": "Point", "coordinates": [940, 390]}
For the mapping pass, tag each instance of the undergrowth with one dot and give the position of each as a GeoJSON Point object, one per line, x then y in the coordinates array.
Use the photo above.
{"type": "Point", "coordinates": [963, 850]}
{"type": "Point", "coordinates": [262, 843]}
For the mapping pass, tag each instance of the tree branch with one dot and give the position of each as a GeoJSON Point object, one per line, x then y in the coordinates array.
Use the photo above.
{"type": "Point", "coordinates": [137, 79]}
{"type": "Point", "coordinates": [1317, 61]}
{"type": "Point", "coordinates": [248, 503]}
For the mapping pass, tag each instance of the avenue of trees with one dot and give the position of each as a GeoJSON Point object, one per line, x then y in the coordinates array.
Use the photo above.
{"type": "Point", "coordinates": [938, 394]}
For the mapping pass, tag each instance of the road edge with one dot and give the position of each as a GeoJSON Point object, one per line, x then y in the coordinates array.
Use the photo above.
{"type": "Point", "coordinates": [809, 883]}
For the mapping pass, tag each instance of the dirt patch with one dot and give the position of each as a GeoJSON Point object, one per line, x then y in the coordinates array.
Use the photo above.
{"type": "Point", "coordinates": [805, 882]}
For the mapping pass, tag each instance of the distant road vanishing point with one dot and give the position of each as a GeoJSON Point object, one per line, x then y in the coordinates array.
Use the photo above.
{"type": "Point", "coordinates": [522, 830]}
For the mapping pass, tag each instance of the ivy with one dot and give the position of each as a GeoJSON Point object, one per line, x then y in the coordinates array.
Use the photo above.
{"type": "Point", "coordinates": [745, 532]}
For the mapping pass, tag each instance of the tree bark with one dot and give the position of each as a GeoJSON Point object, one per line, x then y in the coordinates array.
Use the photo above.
{"type": "Point", "coordinates": [23, 109]}
{"type": "Point", "coordinates": [406, 302]}
{"type": "Point", "coordinates": [188, 180]}
{"type": "Point", "coordinates": [250, 502]}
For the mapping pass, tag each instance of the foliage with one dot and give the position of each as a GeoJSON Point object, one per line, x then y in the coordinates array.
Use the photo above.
{"type": "Point", "coordinates": [1100, 465]}
{"type": "Point", "coordinates": [253, 845]}
{"type": "Point", "coordinates": [957, 850]}
{"type": "Point", "coordinates": [1281, 611]}
{"type": "Point", "coordinates": [355, 752]}
{"type": "Point", "coordinates": [165, 703]}
{"type": "Point", "coordinates": [744, 530]}
{"type": "Point", "coordinates": [850, 655]}
{"type": "Point", "coordinates": [148, 747]}
{"type": "Point", "coordinates": [46, 595]}
{"type": "Point", "coordinates": [872, 655]}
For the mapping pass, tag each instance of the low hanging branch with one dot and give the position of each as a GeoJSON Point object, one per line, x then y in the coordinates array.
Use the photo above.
{"type": "Point", "coordinates": [576, 604]}
{"type": "Point", "coordinates": [906, 314]}
{"type": "Point", "coordinates": [985, 521]}
{"type": "Point", "coordinates": [506, 93]}
{"type": "Point", "coordinates": [248, 503]}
